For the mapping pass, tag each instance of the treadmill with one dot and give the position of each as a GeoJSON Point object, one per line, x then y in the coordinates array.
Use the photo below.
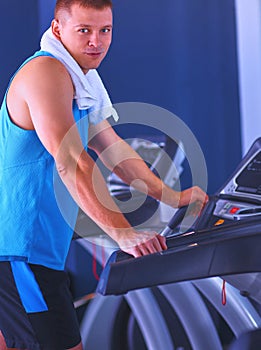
{"type": "Point", "coordinates": [169, 297]}
{"type": "Point", "coordinates": [225, 240]}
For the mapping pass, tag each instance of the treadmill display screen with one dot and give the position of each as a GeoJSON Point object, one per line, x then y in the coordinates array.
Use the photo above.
{"type": "Point", "coordinates": [249, 180]}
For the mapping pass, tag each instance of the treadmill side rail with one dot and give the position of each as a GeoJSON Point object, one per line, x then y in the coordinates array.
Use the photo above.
{"type": "Point", "coordinates": [223, 254]}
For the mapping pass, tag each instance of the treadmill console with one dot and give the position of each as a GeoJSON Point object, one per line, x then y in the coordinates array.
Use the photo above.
{"type": "Point", "coordinates": [246, 183]}
{"type": "Point", "coordinates": [240, 197]}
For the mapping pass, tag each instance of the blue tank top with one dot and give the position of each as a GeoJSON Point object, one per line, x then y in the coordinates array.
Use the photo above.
{"type": "Point", "coordinates": [37, 213]}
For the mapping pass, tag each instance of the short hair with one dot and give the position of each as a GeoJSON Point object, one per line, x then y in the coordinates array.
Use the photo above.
{"type": "Point", "coordinates": [67, 4]}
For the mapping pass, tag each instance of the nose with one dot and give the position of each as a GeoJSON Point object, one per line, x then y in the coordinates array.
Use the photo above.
{"type": "Point", "coordinates": [94, 40]}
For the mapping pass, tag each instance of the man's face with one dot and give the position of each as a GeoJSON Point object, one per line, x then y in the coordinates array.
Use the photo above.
{"type": "Point", "coordinates": [86, 33]}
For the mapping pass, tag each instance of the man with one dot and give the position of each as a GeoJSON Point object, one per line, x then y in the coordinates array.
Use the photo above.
{"type": "Point", "coordinates": [38, 134]}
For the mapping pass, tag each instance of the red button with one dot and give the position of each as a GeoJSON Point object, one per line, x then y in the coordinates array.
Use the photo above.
{"type": "Point", "coordinates": [233, 210]}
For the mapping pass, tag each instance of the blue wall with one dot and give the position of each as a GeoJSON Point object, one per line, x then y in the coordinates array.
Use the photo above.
{"type": "Point", "coordinates": [18, 36]}
{"type": "Point", "coordinates": [46, 9]}
{"type": "Point", "coordinates": [21, 26]}
{"type": "Point", "coordinates": [181, 55]}
{"type": "Point", "coordinates": [177, 54]}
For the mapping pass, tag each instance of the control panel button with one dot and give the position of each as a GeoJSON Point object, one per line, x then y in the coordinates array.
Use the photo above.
{"type": "Point", "coordinates": [234, 210]}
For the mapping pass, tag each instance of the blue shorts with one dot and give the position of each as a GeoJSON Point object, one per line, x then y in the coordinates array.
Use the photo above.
{"type": "Point", "coordinates": [36, 308]}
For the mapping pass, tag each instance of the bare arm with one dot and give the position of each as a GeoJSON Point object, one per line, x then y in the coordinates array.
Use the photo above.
{"type": "Point", "coordinates": [47, 91]}
{"type": "Point", "coordinates": [120, 158]}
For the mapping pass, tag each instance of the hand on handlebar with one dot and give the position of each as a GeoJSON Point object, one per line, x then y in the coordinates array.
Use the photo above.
{"type": "Point", "coordinates": [195, 198]}
{"type": "Point", "coordinates": [142, 243]}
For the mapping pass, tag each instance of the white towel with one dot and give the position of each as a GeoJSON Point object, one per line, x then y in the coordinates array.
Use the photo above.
{"type": "Point", "coordinates": [90, 92]}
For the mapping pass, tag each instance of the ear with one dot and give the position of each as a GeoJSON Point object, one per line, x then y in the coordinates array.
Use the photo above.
{"type": "Point", "coordinates": [56, 28]}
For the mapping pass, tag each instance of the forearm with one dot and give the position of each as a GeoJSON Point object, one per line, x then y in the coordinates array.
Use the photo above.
{"type": "Point", "coordinates": [120, 158]}
{"type": "Point", "coordinates": [131, 168]}
{"type": "Point", "coordinates": [88, 188]}
{"type": "Point", "coordinates": [136, 173]}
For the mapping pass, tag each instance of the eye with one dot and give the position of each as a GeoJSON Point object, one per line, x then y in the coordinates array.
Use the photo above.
{"type": "Point", "coordinates": [106, 30]}
{"type": "Point", "coordinates": [84, 30]}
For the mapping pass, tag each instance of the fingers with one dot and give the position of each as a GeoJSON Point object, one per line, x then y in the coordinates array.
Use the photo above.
{"type": "Point", "coordinates": [194, 197]}
{"type": "Point", "coordinates": [199, 195]}
{"type": "Point", "coordinates": [162, 241]}
{"type": "Point", "coordinates": [152, 245]}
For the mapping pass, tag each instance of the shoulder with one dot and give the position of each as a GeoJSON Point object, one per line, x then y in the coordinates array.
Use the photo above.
{"type": "Point", "coordinates": [44, 64]}
{"type": "Point", "coordinates": [42, 86]}
{"type": "Point", "coordinates": [44, 72]}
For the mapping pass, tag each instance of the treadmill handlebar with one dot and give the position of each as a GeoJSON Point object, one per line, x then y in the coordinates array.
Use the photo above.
{"type": "Point", "coordinates": [174, 221]}
{"type": "Point", "coordinates": [215, 251]}
{"type": "Point", "coordinates": [201, 221]}
{"type": "Point", "coordinates": [198, 236]}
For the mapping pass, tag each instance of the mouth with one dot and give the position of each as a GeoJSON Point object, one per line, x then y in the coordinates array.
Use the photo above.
{"type": "Point", "coordinates": [93, 54]}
